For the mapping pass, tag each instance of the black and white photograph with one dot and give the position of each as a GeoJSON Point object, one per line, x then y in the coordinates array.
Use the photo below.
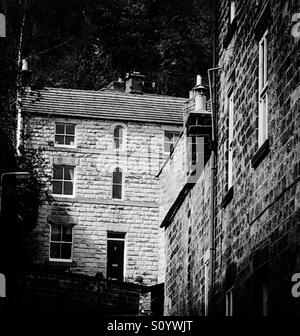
{"type": "Point", "coordinates": [150, 160]}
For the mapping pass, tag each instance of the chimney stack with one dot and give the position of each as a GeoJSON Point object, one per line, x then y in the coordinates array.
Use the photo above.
{"type": "Point", "coordinates": [200, 95]}
{"type": "Point", "coordinates": [25, 74]}
{"type": "Point", "coordinates": [117, 85]}
{"type": "Point", "coordinates": [24, 64]}
{"type": "Point", "coordinates": [134, 83]}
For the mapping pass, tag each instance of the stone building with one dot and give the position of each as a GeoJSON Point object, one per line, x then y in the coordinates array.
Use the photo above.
{"type": "Point", "coordinates": [232, 237]}
{"type": "Point", "coordinates": [103, 150]}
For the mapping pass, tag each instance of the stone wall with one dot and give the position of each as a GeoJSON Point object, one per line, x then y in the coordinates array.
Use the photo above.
{"type": "Point", "coordinates": [258, 229]}
{"type": "Point", "coordinates": [92, 211]}
{"type": "Point", "coordinates": [172, 177]}
{"type": "Point", "coordinates": [187, 240]}
{"type": "Point", "coordinates": [45, 291]}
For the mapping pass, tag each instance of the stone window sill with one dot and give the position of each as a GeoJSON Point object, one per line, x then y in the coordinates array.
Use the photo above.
{"type": "Point", "coordinates": [227, 198]}
{"type": "Point", "coordinates": [260, 154]}
{"type": "Point", "coordinates": [61, 264]}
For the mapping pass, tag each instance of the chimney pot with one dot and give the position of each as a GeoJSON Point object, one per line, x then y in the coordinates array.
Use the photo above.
{"type": "Point", "coordinates": [25, 74]}
{"type": "Point", "coordinates": [24, 65]}
{"type": "Point", "coordinates": [200, 96]}
{"type": "Point", "coordinates": [199, 80]}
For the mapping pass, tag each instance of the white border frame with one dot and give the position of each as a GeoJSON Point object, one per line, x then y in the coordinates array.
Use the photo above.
{"type": "Point", "coordinates": [125, 250]}
{"type": "Point", "coordinates": [72, 246]}
{"type": "Point", "coordinates": [74, 182]}
{"type": "Point", "coordinates": [125, 139]}
{"type": "Point", "coordinates": [123, 183]}
{"type": "Point", "coordinates": [75, 134]}
{"type": "Point", "coordinates": [263, 132]}
{"type": "Point", "coordinates": [230, 104]}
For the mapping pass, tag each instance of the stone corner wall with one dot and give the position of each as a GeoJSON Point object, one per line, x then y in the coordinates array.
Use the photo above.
{"type": "Point", "coordinates": [172, 177]}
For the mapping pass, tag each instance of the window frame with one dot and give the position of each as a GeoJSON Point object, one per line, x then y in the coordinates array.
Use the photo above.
{"type": "Point", "coordinates": [61, 242]}
{"type": "Point", "coordinates": [122, 184]}
{"type": "Point", "coordinates": [171, 142]}
{"type": "Point", "coordinates": [232, 11]}
{"type": "Point", "coordinates": [62, 180]}
{"type": "Point", "coordinates": [64, 134]}
{"type": "Point", "coordinates": [228, 147]}
{"type": "Point", "coordinates": [230, 103]}
{"type": "Point", "coordinates": [120, 148]}
{"type": "Point", "coordinates": [124, 239]}
{"type": "Point", "coordinates": [229, 302]}
{"type": "Point", "coordinates": [263, 134]}
{"type": "Point", "coordinates": [206, 285]}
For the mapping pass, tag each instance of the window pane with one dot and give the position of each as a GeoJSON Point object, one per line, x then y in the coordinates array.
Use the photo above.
{"type": "Point", "coordinates": [117, 177]}
{"type": "Point", "coordinates": [176, 137]}
{"type": "Point", "coordinates": [55, 250]}
{"type": "Point", "coordinates": [118, 136]}
{"type": "Point", "coordinates": [57, 187]}
{"type": "Point", "coordinates": [59, 139]}
{"type": "Point", "coordinates": [66, 233]}
{"type": "Point", "coordinates": [168, 136]}
{"type": "Point", "coordinates": [69, 140]}
{"type": "Point", "coordinates": [57, 172]}
{"type": "Point", "coordinates": [265, 61]}
{"type": "Point", "coordinates": [60, 129]}
{"type": "Point", "coordinates": [232, 11]}
{"type": "Point", "coordinates": [194, 150]}
{"type": "Point", "coordinates": [70, 129]}
{"type": "Point", "coordinates": [117, 142]}
{"type": "Point", "coordinates": [68, 188]}
{"type": "Point", "coordinates": [118, 132]}
{"type": "Point", "coordinates": [69, 173]}
{"type": "Point", "coordinates": [55, 233]}
{"type": "Point", "coordinates": [66, 250]}
{"type": "Point", "coordinates": [117, 191]}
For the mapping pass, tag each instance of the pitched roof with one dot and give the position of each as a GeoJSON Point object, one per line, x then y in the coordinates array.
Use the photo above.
{"type": "Point", "coordinates": [105, 104]}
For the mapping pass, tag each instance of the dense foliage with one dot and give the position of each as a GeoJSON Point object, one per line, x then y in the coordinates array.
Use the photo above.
{"type": "Point", "coordinates": [88, 43]}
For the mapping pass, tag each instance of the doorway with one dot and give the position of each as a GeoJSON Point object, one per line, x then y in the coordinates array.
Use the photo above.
{"type": "Point", "coordinates": [115, 255]}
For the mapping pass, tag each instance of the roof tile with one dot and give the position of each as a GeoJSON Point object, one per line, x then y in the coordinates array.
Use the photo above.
{"type": "Point", "coordinates": [105, 104]}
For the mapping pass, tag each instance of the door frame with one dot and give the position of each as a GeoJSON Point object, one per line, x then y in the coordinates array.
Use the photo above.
{"type": "Point", "coordinates": [125, 249]}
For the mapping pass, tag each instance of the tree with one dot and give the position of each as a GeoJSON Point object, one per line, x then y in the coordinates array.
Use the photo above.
{"type": "Point", "coordinates": [20, 201]}
{"type": "Point", "coordinates": [87, 43]}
